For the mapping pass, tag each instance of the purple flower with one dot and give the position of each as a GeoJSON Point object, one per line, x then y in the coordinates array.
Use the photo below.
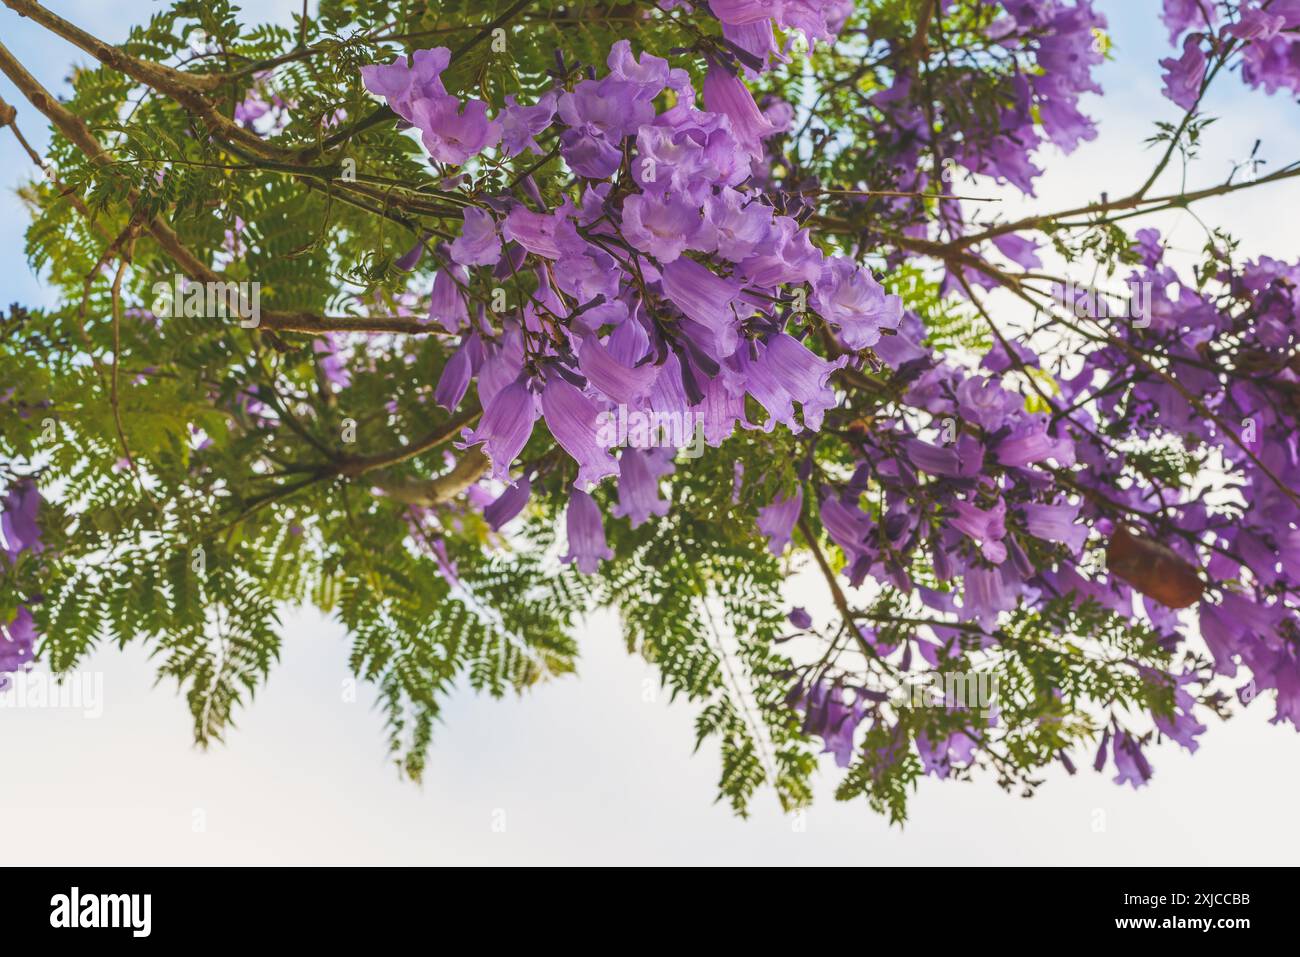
{"type": "Point", "coordinates": [586, 533]}
{"type": "Point", "coordinates": [401, 85]}
{"type": "Point", "coordinates": [452, 132]}
{"type": "Point", "coordinates": [800, 618]}
{"type": "Point", "coordinates": [638, 483]}
{"type": "Point", "coordinates": [1182, 726]}
{"type": "Point", "coordinates": [1183, 76]}
{"type": "Point", "coordinates": [18, 522]}
{"type": "Point", "coordinates": [816, 19]}
{"type": "Point", "coordinates": [599, 114]}
{"type": "Point", "coordinates": [778, 112]}
{"type": "Point", "coordinates": [704, 297]}
{"type": "Point", "coordinates": [478, 243]}
{"type": "Point", "coordinates": [851, 300]}
{"type": "Point", "coordinates": [905, 346]}
{"type": "Point", "coordinates": [1099, 761]}
{"type": "Point", "coordinates": [1000, 358]}
{"type": "Point", "coordinates": [828, 716]}
{"type": "Point", "coordinates": [758, 39]}
{"type": "Point", "coordinates": [1030, 443]}
{"type": "Point", "coordinates": [788, 256]}
{"type": "Point", "coordinates": [411, 258]}
{"type": "Point", "coordinates": [584, 270]}
{"type": "Point", "coordinates": [506, 426]}
{"type": "Point", "coordinates": [17, 640]}
{"type": "Point", "coordinates": [720, 411]}
{"type": "Point", "coordinates": [572, 419]}
{"type": "Point", "coordinates": [1023, 252]}
{"type": "Point", "coordinates": [670, 160]}
{"type": "Point", "coordinates": [1180, 15]}
{"type": "Point", "coordinates": [1257, 25]}
{"type": "Point", "coordinates": [937, 758]}
{"type": "Point", "coordinates": [734, 225]}
{"type": "Point", "coordinates": [331, 364]}
{"type": "Point", "coordinates": [651, 74]}
{"type": "Point", "coordinates": [454, 381]}
{"type": "Point", "coordinates": [985, 526]}
{"type": "Point", "coordinates": [1056, 523]}
{"type": "Point", "coordinates": [738, 13]}
{"type": "Point", "coordinates": [620, 383]}
{"type": "Point", "coordinates": [988, 592]}
{"type": "Point", "coordinates": [777, 520]}
{"type": "Point", "coordinates": [521, 124]}
{"type": "Point", "coordinates": [501, 364]}
{"type": "Point", "coordinates": [590, 154]}
{"type": "Point", "coordinates": [254, 107]}
{"type": "Point", "coordinates": [534, 231]}
{"type": "Point", "coordinates": [1149, 247]}
{"type": "Point", "coordinates": [985, 403]}
{"type": "Point", "coordinates": [852, 530]}
{"type": "Point", "coordinates": [786, 372]}
{"type": "Point", "coordinates": [937, 460]}
{"type": "Point", "coordinates": [1232, 628]}
{"type": "Point", "coordinates": [611, 107]}
{"type": "Point", "coordinates": [508, 504]}
{"type": "Point", "coordinates": [726, 93]}
{"type": "Point", "coordinates": [447, 301]}
{"type": "Point", "coordinates": [662, 226]}
{"type": "Point", "coordinates": [1130, 762]}
{"type": "Point", "coordinates": [691, 151]}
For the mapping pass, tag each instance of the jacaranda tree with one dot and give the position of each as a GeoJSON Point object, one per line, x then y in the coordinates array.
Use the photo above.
{"type": "Point", "coordinates": [460, 320]}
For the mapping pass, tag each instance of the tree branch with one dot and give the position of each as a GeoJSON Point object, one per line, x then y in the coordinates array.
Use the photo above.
{"type": "Point", "coordinates": [187, 89]}
{"type": "Point", "coordinates": [837, 593]}
{"type": "Point", "coordinates": [471, 467]}
{"type": "Point", "coordinates": [357, 466]}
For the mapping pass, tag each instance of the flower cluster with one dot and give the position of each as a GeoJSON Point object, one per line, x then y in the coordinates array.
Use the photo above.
{"type": "Point", "coordinates": [1042, 54]}
{"type": "Point", "coordinates": [1264, 33]}
{"type": "Point", "coordinates": [668, 287]}
{"type": "Point", "coordinates": [1232, 389]}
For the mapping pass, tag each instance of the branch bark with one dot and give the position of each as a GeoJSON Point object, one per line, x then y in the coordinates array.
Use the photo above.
{"type": "Point", "coordinates": [188, 89]}
{"type": "Point", "coordinates": [75, 131]}
{"type": "Point", "coordinates": [357, 466]}
{"type": "Point", "coordinates": [471, 467]}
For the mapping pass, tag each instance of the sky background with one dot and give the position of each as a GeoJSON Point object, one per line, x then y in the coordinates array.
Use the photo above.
{"type": "Point", "coordinates": [599, 768]}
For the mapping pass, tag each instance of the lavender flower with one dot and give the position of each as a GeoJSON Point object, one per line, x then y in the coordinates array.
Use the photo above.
{"type": "Point", "coordinates": [1183, 76]}
{"type": "Point", "coordinates": [453, 131]}
{"type": "Point", "coordinates": [638, 484]}
{"type": "Point", "coordinates": [478, 243]}
{"type": "Point", "coordinates": [572, 418]}
{"type": "Point", "coordinates": [18, 522]}
{"type": "Point", "coordinates": [851, 300]}
{"type": "Point", "coordinates": [508, 504]}
{"type": "Point", "coordinates": [725, 93]}
{"type": "Point", "coordinates": [506, 426]}
{"type": "Point", "coordinates": [17, 641]}
{"type": "Point", "coordinates": [587, 546]}
{"type": "Point", "coordinates": [777, 520]}
{"type": "Point", "coordinates": [661, 226]}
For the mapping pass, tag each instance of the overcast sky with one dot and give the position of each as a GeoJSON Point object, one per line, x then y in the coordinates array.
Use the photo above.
{"type": "Point", "coordinates": [593, 769]}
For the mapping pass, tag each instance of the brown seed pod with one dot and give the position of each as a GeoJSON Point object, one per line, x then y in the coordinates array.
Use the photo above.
{"type": "Point", "coordinates": [1154, 569]}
